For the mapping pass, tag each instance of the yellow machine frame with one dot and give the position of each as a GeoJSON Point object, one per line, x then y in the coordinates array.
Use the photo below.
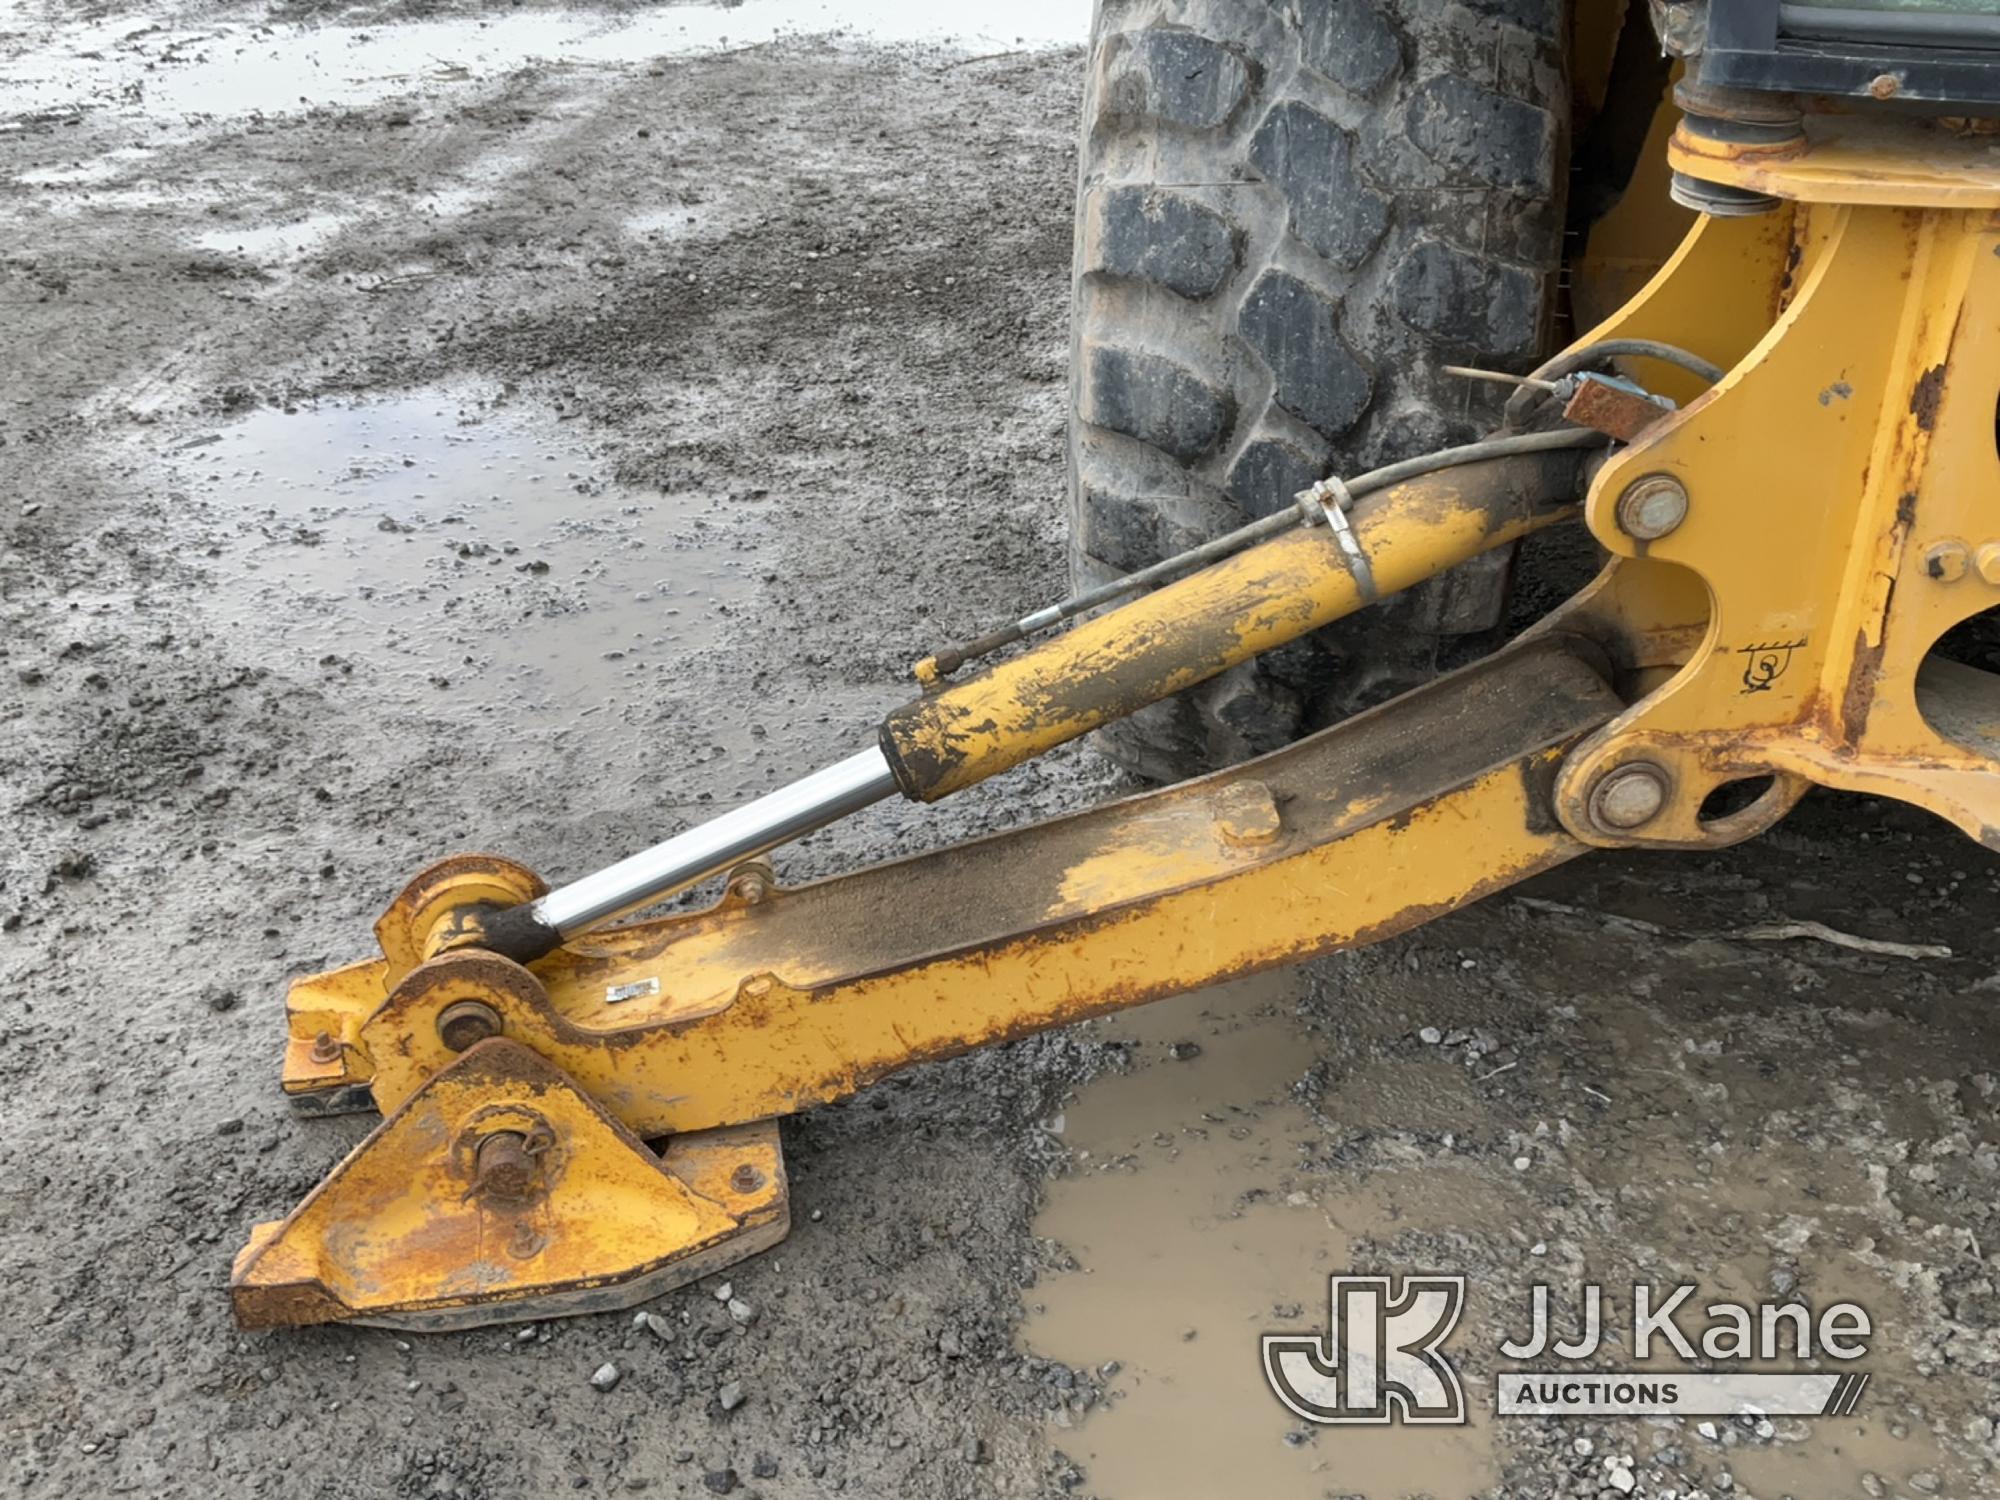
{"type": "Point", "coordinates": [1785, 551]}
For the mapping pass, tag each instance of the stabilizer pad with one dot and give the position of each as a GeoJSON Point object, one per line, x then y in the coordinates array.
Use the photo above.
{"type": "Point", "coordinates": [500, 1192]}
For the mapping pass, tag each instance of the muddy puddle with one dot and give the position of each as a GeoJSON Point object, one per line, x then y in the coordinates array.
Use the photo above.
{"type": "Point", "coordinates": [470, 557]}
{"type": "Point", "coordinates": [267, 243]}
{"type": "Point", "coordinates": [136, 67]}
{"type": "Point", "coordinates": [1199, 1214]}
{"type": "Point", "coordinates": [1887, 1446]}
{"type": "Point", "coordinates": [1834, 1456]}
{"type": "Point", "coordinates": [1195, 1232]}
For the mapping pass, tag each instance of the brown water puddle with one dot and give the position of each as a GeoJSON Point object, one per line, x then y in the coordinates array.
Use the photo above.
{"type": "Point", "coordinates": [1195, 1233]}
{"type": "Point", "coordinates": [1829, 1456]}
{"type": "Point", "coordinates": [423, 530]}
{"type": "Point", "coordinates": [1831, 1459]}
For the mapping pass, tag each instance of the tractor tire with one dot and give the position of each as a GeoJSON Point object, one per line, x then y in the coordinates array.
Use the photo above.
{"type": "Point", "coordinates": [1290, 213]}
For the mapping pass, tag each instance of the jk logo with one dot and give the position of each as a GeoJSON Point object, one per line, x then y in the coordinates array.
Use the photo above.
{"type": "Point", "coordinates": [1379, 1360]}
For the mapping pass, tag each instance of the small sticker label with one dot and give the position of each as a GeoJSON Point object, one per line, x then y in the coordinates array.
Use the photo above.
{"type": "Point", "coordinates": [616, 993]}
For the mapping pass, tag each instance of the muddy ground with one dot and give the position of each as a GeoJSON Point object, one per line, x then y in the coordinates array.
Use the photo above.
{"type": "Point", "coordinates": [524, 434]}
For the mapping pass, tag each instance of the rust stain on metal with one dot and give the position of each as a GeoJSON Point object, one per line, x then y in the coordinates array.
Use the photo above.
{"type": "Point", "coordinates": [1122, 995]}
{"type": "Point", "coordinates": [1201, 625]}
{"type": "Point", "coordinates": [1788, 279]}
{"type": "Point", "coordinates": [1538, 792]}
{"type": "Point", "coordinates": [393, 1233]}
{"type": "Point", "coordinates": [1927, 396]}
{"type": "Point", "coordinates": [1858, 697]}
{"type": "Point", "coordinates": [1360, 779]}
{"type": "Point", "coordinates": [295, 1306]}
{"type": "Point", "coordinates": [1609, 409]}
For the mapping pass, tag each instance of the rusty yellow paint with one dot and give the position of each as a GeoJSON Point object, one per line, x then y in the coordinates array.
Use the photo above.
{"type": "Point", "coordinates": [1834, 476]}
{"type": "Point", "coordinates": [1716, 296]}
{"type": "Point", "coordinates": [744, 1012]}
{"type": "Point", "coordinates": [1187, 632]}
{"type": "Point", "coordinates": [1840, 520]}
{"type": "Point", "coordinates": [324, 1012]}
{"type": "Point", "coordinates": [323, 1016]}
{"type": "Point", "coordinates": [779, 1046]}
{"type": "Point", "coordinates": [421, 921]}
{"type": "Point", "coordinates": [1859, 159]}
{"type": "Point", "coordinates": [425, 1225]}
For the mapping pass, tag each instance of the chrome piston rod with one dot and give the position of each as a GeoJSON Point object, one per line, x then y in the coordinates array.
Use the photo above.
{"type": "Point", "coordinates": [533, 929]}
{"type": "Point", "coordinates": [712, 848]}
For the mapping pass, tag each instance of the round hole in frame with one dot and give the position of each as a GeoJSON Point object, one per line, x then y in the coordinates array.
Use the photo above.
{"type": "Point", "coordinates": [1733, 797]}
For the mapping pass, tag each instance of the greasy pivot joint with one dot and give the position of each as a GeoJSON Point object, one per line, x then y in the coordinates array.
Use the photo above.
{"type": "Point", "coordinates": [465, 1022]}
{"type": "Point", "coordinates": [507, 1165]}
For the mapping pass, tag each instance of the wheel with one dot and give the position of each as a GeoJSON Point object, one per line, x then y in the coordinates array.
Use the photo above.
{"type": "Point", "coordinates": [1290, 213]}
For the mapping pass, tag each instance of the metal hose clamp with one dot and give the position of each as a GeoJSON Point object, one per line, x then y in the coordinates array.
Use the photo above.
{"type": "Point", "coordinates": [1332, 500]}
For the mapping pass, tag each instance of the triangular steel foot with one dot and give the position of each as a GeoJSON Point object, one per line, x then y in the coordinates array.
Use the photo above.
{"type": "Point", "coordinates": [501, 1192]}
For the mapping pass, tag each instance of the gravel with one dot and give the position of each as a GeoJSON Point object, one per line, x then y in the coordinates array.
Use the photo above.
{"type": "Point", "coordinates": [245, 716]}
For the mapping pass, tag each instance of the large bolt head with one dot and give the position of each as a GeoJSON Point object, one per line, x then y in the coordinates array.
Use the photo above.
{"type": "Point", "coordinates": [466, 1022]}
{"type": "Point", "coordinates": [1947, 561]}
{"type": "Point", "coordinates": [505, 1168]}
{"type": "Point", "coordinates": [1989, 562]}
{"type": "Point", "coordinates": [1652, 507]}
{"type": "Point", "coordinates": [1630, 796]}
